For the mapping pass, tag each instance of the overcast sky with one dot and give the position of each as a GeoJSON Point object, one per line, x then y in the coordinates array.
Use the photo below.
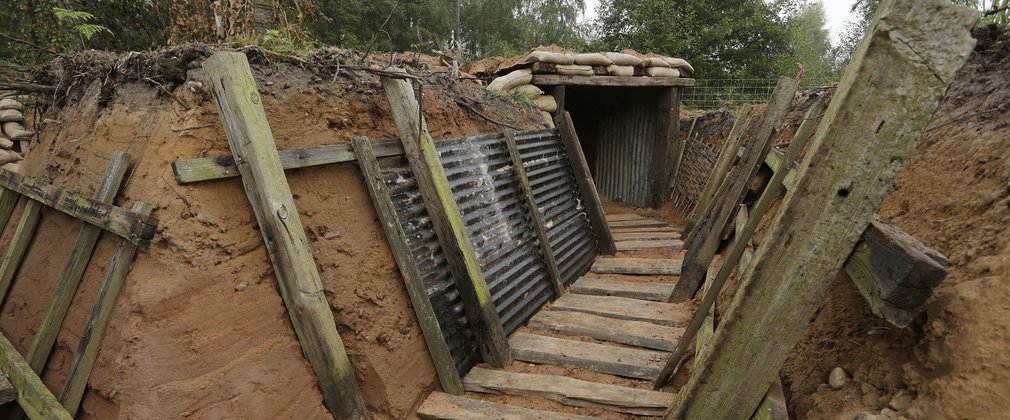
{"type": "Point", "coordinates": [837, 11]}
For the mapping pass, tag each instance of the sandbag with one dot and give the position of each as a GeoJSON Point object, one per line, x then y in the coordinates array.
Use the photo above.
{"type": "Point", "coordinates": [593, 59]}
{"type": "Point", "coordinates": [615, 70]}
{"type": "Point", "coordinates": [16, 131]}
{"type": "Point", "coordinates": [11, 115]}
{"type": "Point", "coordinates": [546, 103]}
{"type": "Point", "coordinates": [531, 90]}
{"type": "Point", "coordinates": [662, 72]}
{"type": "Point", "coordinates": [12, 167]}
{"type": "Point", "coordinates": [680, 63]}
{"type": "Point", "coordinates": [514, 79]}
{"type": "Point", "coordinates": [6, 143]}
{"type": "Point", "coordinates": [655, 62]}
{"type": "Point", "coordinates": [621, 59]}
{"type": "Point", "coordinates": [550, 57]}
{"type": "Point", "coordinates": [574, 70]}
{"type": "Point", "coordinates": [10, 104]}
{"type": "Point", "coordinates": [547, 118]}
{"type": "Point", "coordinates": [9, 156]}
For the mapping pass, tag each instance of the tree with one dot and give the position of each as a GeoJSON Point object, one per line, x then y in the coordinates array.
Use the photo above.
{"type": "Point", "coordinates": [811, 42]}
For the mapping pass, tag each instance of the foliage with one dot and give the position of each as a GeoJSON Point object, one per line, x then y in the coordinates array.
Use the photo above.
{"type": "Point", "coordinates": [79, 20]}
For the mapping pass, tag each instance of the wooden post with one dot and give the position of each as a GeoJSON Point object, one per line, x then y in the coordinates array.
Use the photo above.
{"type": "Point", "coordinates": [726, 158]}
{"type": "Point", "coordinates": [412, 278]}
{"type": "Point", "coordinates": [19, 244]}
{"type": "Point", "coordinates": [423, 159]}
{"type": "Point", "coordinates": [8, 199]}
{"type": "Point", "coordinates": [535, 216]}
{"type": "Point", "coordinates": [587, 187]}
{"type": "Point", "coordinates": [677, 144]}
{"type": "Point", "coordinates": [705, 244]}
{"type": "Point", "coordinates": [66, 286]}
{"type": "Point", "coordinates": [558, 92]}
{"type": "Point", "coordinates": [865, 138]}
{"type": "Point", "coordinates": [747, 224]}
{"type": "Point", "coordinates": [252, 144]}
{"type": "Point", "coordinates": [33, 397]}
{"type": "Point", "coordinates": [94, 330]}
{"type": "Point", "coordinates": [663, 146]}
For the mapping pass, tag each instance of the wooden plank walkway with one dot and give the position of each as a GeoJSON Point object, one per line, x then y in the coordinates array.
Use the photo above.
{"type": "Point", "coordinates": [649, 245]}
{"type": "Point", "coordinates": [641, 266]}
{"type": "Point", "coordinates": [658, 292]}
{"type": "Point", "coordinates": [440, 405]}
{"type": "Point", "coordinates": [620, 361]}
{"type": "Point", "coordinates": [635, 333]}
{"type": "Point", "coordinates": [661, 313]}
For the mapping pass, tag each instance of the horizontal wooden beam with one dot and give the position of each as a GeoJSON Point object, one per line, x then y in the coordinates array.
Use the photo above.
{"type": "Point", "coordinates": [116, 220]}
{"type": "Point", "coordinates": [34, 398]}
{"type": "Point", "coordinates": [611, 81]}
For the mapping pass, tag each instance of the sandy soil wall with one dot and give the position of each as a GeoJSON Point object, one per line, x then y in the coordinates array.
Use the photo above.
{"type": "Point", "coordinates": [200, 330]}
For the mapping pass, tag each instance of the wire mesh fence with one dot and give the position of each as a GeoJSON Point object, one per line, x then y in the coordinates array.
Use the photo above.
{"type": "Point", "coordinates": [709, 94]}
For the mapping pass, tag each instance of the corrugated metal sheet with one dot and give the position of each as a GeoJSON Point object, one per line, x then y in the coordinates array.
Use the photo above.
{"type": "Point", "coordinates": [625, 140]}
{"type": "Point", "coordinates": [427, 251]}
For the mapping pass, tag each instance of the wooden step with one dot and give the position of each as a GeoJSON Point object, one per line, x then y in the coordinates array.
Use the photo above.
{"type": "Point", "coordinates": [569, 391]}
{"type": "Point", "coordinates": [659, 292]}
{"type": "Point", "coordinates": [633, 333]}
{"type": "Point", "coordinates": [440, 405]}
{"type": "Point", "coordinates": [624, 217]}
{"type": "Point", "coordinates": [616, 230]}
{"type": "Point", "coordinates": [614, 360]}
{"type": "Point", "coordinates": [642, 266]}
{"type": "Point", "coordinates": [662, 313]}
{"type": "Point", "coordinates": [638, 223]}
{"type": "Point", "coordinates": [651, 245]}
{"type": "Point", "coordinates": [644, 236]}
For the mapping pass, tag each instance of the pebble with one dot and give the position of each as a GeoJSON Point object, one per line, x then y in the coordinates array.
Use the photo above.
{"type": "Point", "coordinates": [241, 286]}
{"type": "Point", "coordinates": [838, 378]}
{"type": "Point", "coordinates": [901, 401]}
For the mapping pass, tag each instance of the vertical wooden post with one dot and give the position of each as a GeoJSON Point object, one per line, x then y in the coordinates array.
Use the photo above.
{"type": "Point", "coordinates": [587, 187]}
{"type": "Point", "coordinates": [412, 278]}
{"type": "Point", "coordinates": [535, 216]}
{"type": "Point", "coordinates": [34, 398]}
{"type": "Point", "coordinates": [558, 92]}
{"type": "Point", "coordinates": [66, 286]}
{"type": "Point", "coordinates": [663, 150]}
{"type": "Point", "coordinates": [705, 244]}
{"type": "Point", "coordinates": [94, 330]}
{"type": "Point", "coordinates": [865, 138]}
{"type": "Point", "coordinates": [678, 144]}
{"type": "Point", "coordinates": [423, 159]}
{"type": "Point", "coordinates": [18, 245]}
{"type": "Point", "coordinates": [252, 144]}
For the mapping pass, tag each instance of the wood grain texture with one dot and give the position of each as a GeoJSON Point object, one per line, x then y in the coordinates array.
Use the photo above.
{"type": "Point", "coordinates": [628, 230]}
{"type": "Point", "coordinates": [266, 187]}
{"type": "Point", "coordinates": [638, 223]}
{"type": "Point", "coordinates": [657, 292]}
{"type": "Point", "coordinates": [639, 266]}
{"type": "Point", "coordinates": [644, 236]}
{"type": "Point", "coordinates": [587, 187]}
{"type": "Point", "coordinates": [569, 391]}
{"type": "Point", "coordinates": [33, 397]}
{"type": "Point", "coordinates": [8, 199]}
{"type": "Point", "coordinates": [613, 360]}
{"type": "Point", "coordinates": [667, 128]}
{"type": "Point", "coordinates": [650, 245]}
{"type": "Point", "coordinates": [660, 313]}
{"type": "Point", "coordinates": [443, 406]}
{"type": "Point", "coordinates": [618, 81]}
{"type": "Point", "coordinates": [621, 331]}
{"type": "Point", "coordinates": [873, 121]}
{"type": "Point", "coordinates": [23, 234]}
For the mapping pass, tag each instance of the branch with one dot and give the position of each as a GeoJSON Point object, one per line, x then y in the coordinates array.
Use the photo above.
{"type": "Point", "coordinates": [21, 41]}
{"type": "Point", "coordinates": [26, 87]}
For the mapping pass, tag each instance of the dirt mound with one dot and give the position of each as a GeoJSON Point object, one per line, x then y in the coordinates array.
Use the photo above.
{"type": "Point", "coordinates": [200, 330]}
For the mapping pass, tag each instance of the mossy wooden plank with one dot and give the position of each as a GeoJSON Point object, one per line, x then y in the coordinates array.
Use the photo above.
{"type": "Point", "coordinates": [660, 313]}
{"type": "Point", "coordinates": [637, 223]}
{"type": "Point", "coordinates": [622, 331]}
{"type": "Point", "coordinates": [19, 245]}
{"type": "Point", "coordinates": [445, 367]}
{"type": "Point", "coordinates": [657, 292]}
{"type": "Point", "coordinates": [253, 146]}
{"type": "Point", "coordinates": [587, 187]}
{"type": "Point", "coordinates": [94, 330]}
{"type": "Point", "coordinates": [638, 266]}
{"type": "Point", "coordinates": [443, 406]}
{"type": "Point", "coordinates": [570, 391]}
{"type": "Point", "coordinates": [630, 230]}
{"type": "Point", "coordinates": [612, 81]}
{"type": "Point", "coordinates": [424, 163]}
{"type": "Point", "coordinates": [865, 137]}
{"type": "Point", "coordinates": [610, 359]}
{"type": "Point", "coordinates": [33, 398]}
{"type": "Point", "coordinates": [650, 245]}
{"type": "Point", "coordinates": [73, 271]}
{"type": "Point", "coordinates": [644, 236]}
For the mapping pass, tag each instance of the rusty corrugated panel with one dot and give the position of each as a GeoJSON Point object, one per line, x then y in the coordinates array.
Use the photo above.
{"type": "Point", "coordinates": [625, 142]}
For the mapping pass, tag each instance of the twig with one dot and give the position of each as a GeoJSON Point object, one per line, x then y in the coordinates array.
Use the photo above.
{"type": "Point", "coordinates": [165, 90]}
{"type": "Point", "coordinates": [375, 36]}
{"type": "Point", "coordinates": [21, 41]}
{"type": "Point", "coordinates": [176, 130]}
{"type": "Point", "coordinates": [487, 118]}
{"type": "Point", "coordinates": [26, 87]}
{"type": "Point", "coordinates": [964, 117]}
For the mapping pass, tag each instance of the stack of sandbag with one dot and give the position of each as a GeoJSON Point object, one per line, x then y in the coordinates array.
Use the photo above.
{"type": "Point", "coordinates": [11, 120]}
{"type": "Point", "coordinates": [659, 66]}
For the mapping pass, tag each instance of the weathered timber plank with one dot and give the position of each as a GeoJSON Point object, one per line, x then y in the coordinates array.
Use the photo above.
{"type": "Point", "coordinates": [641, 266]}
{"type": "Point", "coordinates": [433, 184]}
{"type": "Point", "coordinates": [538, 221]}
{"type": "Point", "coordinates": [443, 406]}
{"type": "Point", "coordinates": [94, 331]}
{"type": "Point", "coordinates": [644, 236]}
{"type": "Point", "coordinates": [667, 128]}
{"type": "Point", "coordinates": [23, 235]}
{"type": "Point", "coordinates": [116, 220]}
{"type": "Point", "coordinates": [73, 271]}
{"type": "Point", "coordinates": [874, 120]}
{"type": "Point", "coordinates": [620, 81]}
{"type": "Point", "coordinates": [658, 292]}
{"type": "Point", "coordinates": [622, 331]}
{"type": "Point", "coordinates": [773, 406]}
{"type": "Point", "coordinates": [623, 217]}
{"type": "Point", "coordinates": [252, 144]}
{"type": "Point", "coordinates": [625, 230]}
{"type": "Point", "coordinates": [587, 187]}
{"type": "Point", "coordinates": [8, 199]}
{"type": "Point", "coordinates": [739, 257]}
{"type": "Point", "coordinates": [614, 360]}
{"type": "Point", "coordinates": [638, 223]}
{"type": "Point", "coordinates": [223, 167]}
{"type": "Point", "coordinates": [7, 391]}
{"type": "Point", "coordinates": [445, 367]}
{"type": "Point", "coordinates": [33, 397]}
{"type": "Point", "coordinates": [647, 245]}
{"type": "Point", "coordinates": [661, 313]}
{"type": "Point", "coordinates": [569, 391]}
{"type": "Point", "coordinates": [702, 247]}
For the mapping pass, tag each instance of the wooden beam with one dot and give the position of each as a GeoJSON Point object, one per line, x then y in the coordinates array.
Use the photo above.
{"type": "Point", "coordinates": [587, 187]}
{"type": "Point", "coordinates": [657, 292]}
{"type": "Point", "coordinates": [648, 245]}
{"type": "Point", "coordinates": [94, 331]}
{"type": "Point", "coordinates": [704, 245]}
{"type": "Point", "coordinates": [631, 230]}
{"type": "Point", "coordinates": [8, 199]}
{"type": "Point", "coordinates": [874, 120]}
{"type": "Point", "coordinates": [618, 81]}
{"type": "Point", "coordinates": [663, 148]}
{"type": "Point", "coordinates": [445, 367]}
{"type": "Point", "coordinates": [620, 236]}
{"type": "Point", "coordinates": [637, 223]}
{"type": "Point", "coordinates": [614, 360]}
{"type": "Point", "coordinates": [622, 331]}
{"type": "Point", "coordinates": [678, 145]}
{"type": "Point", "coordinates": [450, 407]}
{"type": "Point", "coordinates": [535, 216]}
{"type": "Point", "coordinates": [66, 286]}
{"type": "Point", "coordinates": [448, 222]}
{"type": "Point", "coordinates": [252, 144]}
{"type": "Point", "coordinates": [115, 220]}
{"type": "Point", "coordinates": [660, 313]}
{"type": "Point", "coordinates": [23, 235]}
{"type": "Point", "coordinates": [639, 266]}
{"type": "Point", "coordinates": [33, 397]}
